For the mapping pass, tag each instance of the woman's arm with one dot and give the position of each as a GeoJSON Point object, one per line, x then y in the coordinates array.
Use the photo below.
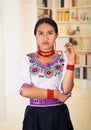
{"type": "Point", "coordinates": [68, 81]}
{"type": "Point", "coordinates": [38, 93]}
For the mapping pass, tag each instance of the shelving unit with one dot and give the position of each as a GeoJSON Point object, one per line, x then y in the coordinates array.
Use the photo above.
{"type": "Point", "coordinates": [73, 18]}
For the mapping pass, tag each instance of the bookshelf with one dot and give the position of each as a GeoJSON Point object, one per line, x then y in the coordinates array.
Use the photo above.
{"type": "Point", "coordinates": [73, 18]}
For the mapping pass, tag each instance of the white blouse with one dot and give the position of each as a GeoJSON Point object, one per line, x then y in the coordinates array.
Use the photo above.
{"type": "Point", "coordinates": [48, 76]}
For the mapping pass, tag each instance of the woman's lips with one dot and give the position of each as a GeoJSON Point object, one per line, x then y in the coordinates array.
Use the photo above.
{"type": "Point", "coordinates": [45, 42]}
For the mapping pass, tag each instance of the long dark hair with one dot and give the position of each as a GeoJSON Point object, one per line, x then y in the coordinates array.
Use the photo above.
{"type": "Point", "coordinates": [48, 21]}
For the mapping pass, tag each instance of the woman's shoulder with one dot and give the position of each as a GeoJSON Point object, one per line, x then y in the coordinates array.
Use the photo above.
{"type": "Point", "coordinates": [27, 57]}
{"type": "Point", "coordinates": [29, 54]}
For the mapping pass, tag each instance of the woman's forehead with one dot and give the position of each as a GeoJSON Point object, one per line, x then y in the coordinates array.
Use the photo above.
{"type": "Point", "coordinates": [45, 26]}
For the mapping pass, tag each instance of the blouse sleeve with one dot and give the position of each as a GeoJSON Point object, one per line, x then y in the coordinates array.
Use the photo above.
{"type": "Point", "coordinates": [25, 77]}
{"type": "Point", "coordinates": [63, 73]}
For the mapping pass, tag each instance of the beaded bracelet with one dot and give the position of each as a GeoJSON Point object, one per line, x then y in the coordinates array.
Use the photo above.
{"type": "Point", "coordinates": [50, 94]}
{"type": "Point", "coordinates": [70, 67]}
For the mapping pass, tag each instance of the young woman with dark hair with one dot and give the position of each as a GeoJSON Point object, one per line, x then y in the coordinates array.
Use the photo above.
{"type": "Point", "coordinates": [47, 80]}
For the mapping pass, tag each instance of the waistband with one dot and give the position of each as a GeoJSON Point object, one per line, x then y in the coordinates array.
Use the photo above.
{"type": "Point", "coordinates": [45, 102]}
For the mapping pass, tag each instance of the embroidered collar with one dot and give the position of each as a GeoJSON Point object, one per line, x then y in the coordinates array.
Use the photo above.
{"type": "Point", "coordinates": [46, 65]}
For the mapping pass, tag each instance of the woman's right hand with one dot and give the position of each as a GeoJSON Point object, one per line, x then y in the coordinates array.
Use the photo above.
{"type": "Point", "coordinates": [60, 96]}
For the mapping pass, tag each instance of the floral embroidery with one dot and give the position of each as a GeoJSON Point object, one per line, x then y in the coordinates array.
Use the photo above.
{"type": "Point", "coordinates": [57, 69]}
{"type": "Point", "coordinates": [61, 60]}
{"type": "Point", "coordinates": [34, 69]}
{"type": "Point", "coordinates": [48, 71]}
{"type": "Point", "coordinates": [31, 61]}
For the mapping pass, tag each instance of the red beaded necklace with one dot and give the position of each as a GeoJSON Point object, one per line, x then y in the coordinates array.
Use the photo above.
{"type": "Point", "coordinates": [46, 54]}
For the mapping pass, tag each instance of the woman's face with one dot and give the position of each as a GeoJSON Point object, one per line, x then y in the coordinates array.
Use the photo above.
{"type": "Point", "coordinates": [45, 36]}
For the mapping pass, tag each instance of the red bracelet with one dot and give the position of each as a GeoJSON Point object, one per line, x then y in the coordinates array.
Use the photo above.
{"type": "Point", "coordinates": [70, 67]}
{"type": "Point", "coordinates": [50, 94]}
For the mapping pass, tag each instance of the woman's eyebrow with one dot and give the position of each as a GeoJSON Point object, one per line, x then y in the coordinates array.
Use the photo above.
{"type": "Point", "coordinates": [50, 31]}
{"type": "Point", "coordinates": [47, 31]}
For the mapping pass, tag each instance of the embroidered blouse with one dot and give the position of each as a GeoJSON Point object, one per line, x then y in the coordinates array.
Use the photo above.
{"type": "Point", "coordinates": [48, 76]}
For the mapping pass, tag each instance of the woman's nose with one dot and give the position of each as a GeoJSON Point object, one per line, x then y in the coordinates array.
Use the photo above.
{"type": "Point", "coordinates": [45, 36]}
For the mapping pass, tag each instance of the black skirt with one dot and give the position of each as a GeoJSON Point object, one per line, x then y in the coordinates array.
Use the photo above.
{"type": "Point", "coordinates": [47, 118]}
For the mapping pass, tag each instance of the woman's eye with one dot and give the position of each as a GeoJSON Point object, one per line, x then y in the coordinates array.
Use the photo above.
{"type": "Point", "coordinates": [50, 32]}
{"type": "Point", "coordinates": [40, 33]}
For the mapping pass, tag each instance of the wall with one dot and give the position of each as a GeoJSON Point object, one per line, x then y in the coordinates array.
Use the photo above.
{"type": "Point", "coordinates": [29, 18]}
{"type": "Point", "coordinates": [12, 49]}
{"type": "Point", "coordinates": [80, 107]}
{"type": "Point", "coordinates": [2, 69]}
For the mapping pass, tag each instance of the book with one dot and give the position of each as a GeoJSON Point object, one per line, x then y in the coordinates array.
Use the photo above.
{"type": "Point", "coordinates": [83, 59]}
{"type": "Point", "coordinates": [89, 73]}
{"type": "Point", "coordinates": [89, 60]}
{"type": "Point", "coordinates": [62, 3]}
{"type": "Point", "coordinates": [83, 73]}
{"type": "Point", "coordinates": [77, 73]}
{"type": "Point", "coordinates": [42, 13]}
{"type": "Point", "coordinates": [44, 3]}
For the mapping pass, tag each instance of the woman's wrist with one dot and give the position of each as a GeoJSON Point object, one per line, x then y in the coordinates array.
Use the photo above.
{"type": "Point", "coordinates": [56, 94]}
{"type": "Point", "coordinates": [50, 94]}
{"type": "Point", "coordinates": [72, 62]}
{"type": "Point", "coordinates": [70, 67]}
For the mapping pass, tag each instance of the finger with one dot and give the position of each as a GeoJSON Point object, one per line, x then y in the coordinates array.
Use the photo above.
{"type": "Point", "coordinates": [69, 44]}
{"type": "Point", "coordinates": [69, 95]}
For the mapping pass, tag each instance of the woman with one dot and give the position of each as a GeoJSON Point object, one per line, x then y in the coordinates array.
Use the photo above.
{"type": "Point", "coordinates": [47, 80]}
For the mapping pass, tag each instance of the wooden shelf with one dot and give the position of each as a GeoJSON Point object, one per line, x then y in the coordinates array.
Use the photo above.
{"type": "Point", "coordinates": [75, 7]}
{"type": "Point", "coordinates": [74, 36]}
{"type": "Point", "coordinates": [44, 8]}
{"type": "Point", "coordinates": [77, 65]}
{"type": "Point", "coordinates": [74, 22]}
{"type": "Point", "coordinates": [84, 51]}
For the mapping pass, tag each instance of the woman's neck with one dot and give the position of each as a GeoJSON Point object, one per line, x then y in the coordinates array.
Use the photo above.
{"type": "Point", "coordinates": [46, 53]}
